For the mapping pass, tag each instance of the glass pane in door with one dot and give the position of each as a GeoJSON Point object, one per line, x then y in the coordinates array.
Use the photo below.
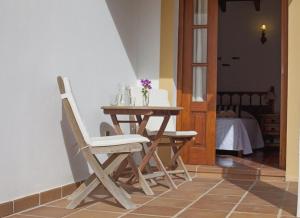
{"type": "Point", "coordinates": [200, 12]}
{"type": "Point", "coordinates": [200, 45]}
{"type": "Point", "coordinates": [199, 84]}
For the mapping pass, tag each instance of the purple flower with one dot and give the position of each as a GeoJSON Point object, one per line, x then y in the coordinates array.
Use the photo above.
{"type": "Point", "coordinates": [146, 83]}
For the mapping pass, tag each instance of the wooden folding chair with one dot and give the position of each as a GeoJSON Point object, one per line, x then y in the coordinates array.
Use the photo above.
{"type": "Point", "coordinates": [178, 139]}
{"type": "Point", "coordinates": [118, 147]}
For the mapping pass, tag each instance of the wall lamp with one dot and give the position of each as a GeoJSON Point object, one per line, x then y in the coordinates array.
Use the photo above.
{"type": "Point", "coordinates": [263, 37]}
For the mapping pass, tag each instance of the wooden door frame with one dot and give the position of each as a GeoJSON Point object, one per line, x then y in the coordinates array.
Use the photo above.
{"type": "Point", "coordinates": [284, 75]}
{"type": "Point", "coordinates": [284, 82]}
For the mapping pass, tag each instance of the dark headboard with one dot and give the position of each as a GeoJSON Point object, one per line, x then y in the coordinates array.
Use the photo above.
{"type": "Point", "coordinates": [255, 103]}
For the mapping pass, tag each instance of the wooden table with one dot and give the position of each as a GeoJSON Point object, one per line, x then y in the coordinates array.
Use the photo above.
{"type": "Point", "coordinates": [142, 115]}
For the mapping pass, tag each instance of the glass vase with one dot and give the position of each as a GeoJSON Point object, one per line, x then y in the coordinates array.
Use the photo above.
{"type": "Point", "coordinates": [146, 99]}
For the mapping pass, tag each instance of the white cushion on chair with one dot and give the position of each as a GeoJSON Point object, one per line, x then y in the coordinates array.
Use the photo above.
{"type": "Point", "coordinates": [69, 95]}
{"type": "Point", "coordinates": [176, 133]}
{"type": "Point", "coordinates": [117, 140]}
{"type": "Point", "coordinates": [180, 133]}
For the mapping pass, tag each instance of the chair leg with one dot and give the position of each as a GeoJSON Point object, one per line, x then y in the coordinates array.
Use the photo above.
{"type": "Point", "coordinates": [161, 166]}
{"type": "Point", "coordinates": [186, 173]}
{"type": "Point", "coordinates": [108, 182]}
{"type": "Point", "coordinates": [120, 194]}
{"type": "Point", "coordinates": [142, 181]}
{"type": "Point", "coordinates": [91, 179]}
{"type": "Point", "coordinates": [81, 187]}
{"type": "Point", "coordinates": [177, 159]}
{"type": "Point", "coordinates": [80, 196]}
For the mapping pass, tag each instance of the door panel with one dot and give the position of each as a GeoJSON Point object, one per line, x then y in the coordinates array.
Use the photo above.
{"type": "Point", "coordinates": [199, 122]}
{"type": "Point", "coordinates": [197, 77]}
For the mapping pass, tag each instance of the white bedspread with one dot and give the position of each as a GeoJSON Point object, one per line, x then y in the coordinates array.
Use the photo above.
{"type": "Point", "coordinates": [254, 133]}
{"type": "Point", "coordinates": [238, 135]}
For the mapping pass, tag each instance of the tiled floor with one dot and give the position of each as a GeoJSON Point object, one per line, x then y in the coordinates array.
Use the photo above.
{"type": "Point", "coordinates": [261, 164]}
{"type": "Point", "coordinates": [267, 157]}
{"type": "Point", "coordinates": [204, 197]}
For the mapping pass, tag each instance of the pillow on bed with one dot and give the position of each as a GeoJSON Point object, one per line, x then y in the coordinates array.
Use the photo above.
{"type": "Point", "coordinates": [227, 114]}
{"type": "Point", "coordinates": [245, 114]}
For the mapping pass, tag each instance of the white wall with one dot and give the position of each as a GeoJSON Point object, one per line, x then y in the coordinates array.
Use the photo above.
{"type": "Point", "coordinates": [138, 22]}
{"type": "Point", "coordinates": [293, 115]}
{"type": "Point", "coordinates": [38, 41]}
{"type": "Point", "coordinates": [239, 35]}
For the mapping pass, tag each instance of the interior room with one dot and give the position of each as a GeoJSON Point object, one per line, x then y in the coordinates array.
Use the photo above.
{"type": "Point", "coordinates": [249, 92]}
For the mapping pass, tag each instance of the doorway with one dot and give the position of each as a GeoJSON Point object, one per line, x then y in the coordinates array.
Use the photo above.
{"type": "Point", "coordinates": [197, 77]}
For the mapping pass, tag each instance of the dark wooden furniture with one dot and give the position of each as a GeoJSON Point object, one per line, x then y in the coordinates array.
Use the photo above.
{"type": "Point", "coordinates": [255, 103]}
{"type": "Point", "coordinates": [258, 105]}
{"type": "Point", "coordinates": [270, 127]}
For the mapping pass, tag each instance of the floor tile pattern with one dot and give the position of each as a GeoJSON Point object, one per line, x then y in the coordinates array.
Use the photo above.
{"type": "Point", "coordinates": [203, 197]}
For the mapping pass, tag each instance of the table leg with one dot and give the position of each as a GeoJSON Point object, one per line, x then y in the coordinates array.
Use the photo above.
{"type": "Point", "coordinates": [154, 144]}
{"type": "Point", "coordinates": [153, 153]}
{"type": "Point", "coordinates": [142, 131]}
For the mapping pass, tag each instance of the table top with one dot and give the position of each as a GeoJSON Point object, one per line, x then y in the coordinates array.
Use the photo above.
{"type": "Point", "coordinates": [141, 110]}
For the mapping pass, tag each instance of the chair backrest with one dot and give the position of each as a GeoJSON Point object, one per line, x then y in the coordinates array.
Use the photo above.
{"type": "Point", "coordinates": [157, 97]}
{"type": "Point", "coordinates": [72, 112]}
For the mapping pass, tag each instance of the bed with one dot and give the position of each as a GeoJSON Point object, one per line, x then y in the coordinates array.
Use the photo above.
{"type": "Point", "coordinates": [237, 122]}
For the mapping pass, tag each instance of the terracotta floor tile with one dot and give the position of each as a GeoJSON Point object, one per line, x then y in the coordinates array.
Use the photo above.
{"type": "Point", "coordinates": [264, 209]}
{"type": "Point", "coordinates": [272, 184]}
{"type": "Point", "coordinates": [289, 211]}
{"type": "Point", "coordinates": [157, 210]}
{"type": "Point", "coordinates": [131, 215]}
{"type": "Point", "coordinates": [251, 215]}
{"type": "Point", "coordinates": [241, 177]}
{"type": "Point", "coordinates": [293, 190]}
{"type": "Point", "coordinates": [238, 182]}
{"type": "Point", "coordinates": [21, 216]}
{"type": "Point", "coordinates": [226, 191]}
{"type": "Point", "coordinates": [234, 186]}
{"type": "Point", "coordinates": [266, 195]}
{"type": "Point", "coordinates": [94, 214]}
{"type": "Point", "coordinates": [206, 180]}
{"type": "Point", "coordinates": [63, 203]}
{"type": "Point", "coordinates": [267, 192]}
{"type": "Point", "coordinates": [290, 198]}
{"type": "Point", "coordinates": [54, 212]}
{"type": "Point", "coordinates": [214, 176]}
{"type": "Point", "coordinates": [263, 200]}
{"type": "Point", "coordinates": [191, 213]}
{"type": "Point", "coordinates": [220, 198]}
{"type": "Point", "coordinates": [167, 202]}
{"type": "Point", "coordinates": [140, 199]}
{"type": "Point", "coordinates": [196, 186]}
{"type": "Point", "coordinates": [178, 194]}
{"type": "Point", "coordinates": [213, 206]}
{"type": "Point", "coordinates": [110, 205]}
